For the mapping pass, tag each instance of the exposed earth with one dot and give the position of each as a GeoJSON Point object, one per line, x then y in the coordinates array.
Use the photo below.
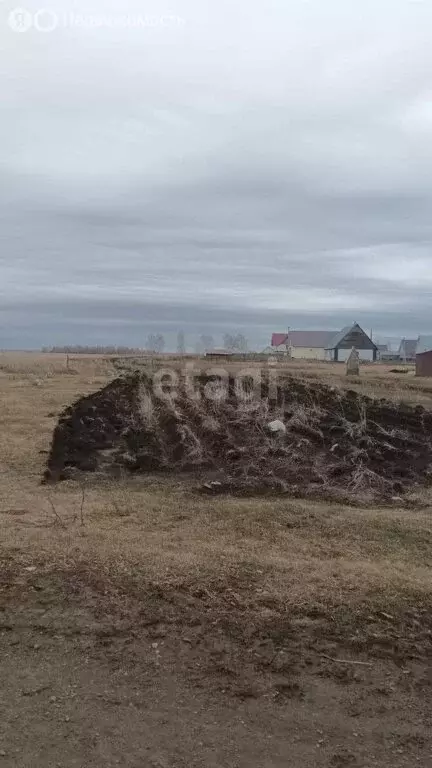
{"type": "Point", "coordinates": [334, 442]}
{"type": "Point", "coordinates": [92, 676]}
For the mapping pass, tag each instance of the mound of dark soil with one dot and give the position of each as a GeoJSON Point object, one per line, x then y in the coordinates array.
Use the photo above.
{"type": "Point", "coordinates": [333, 441]}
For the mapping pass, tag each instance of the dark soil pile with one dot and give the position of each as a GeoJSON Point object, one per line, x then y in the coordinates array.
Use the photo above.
{"type": "Point", "coordinates": [333, 441]}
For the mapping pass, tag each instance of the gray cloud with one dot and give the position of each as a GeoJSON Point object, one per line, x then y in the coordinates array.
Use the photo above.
{"type": "Point", "coordinates": [254, 167]}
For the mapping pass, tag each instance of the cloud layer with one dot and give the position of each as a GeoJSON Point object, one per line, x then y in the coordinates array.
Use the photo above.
{"type": "Point", "coordinates": [249, 168]}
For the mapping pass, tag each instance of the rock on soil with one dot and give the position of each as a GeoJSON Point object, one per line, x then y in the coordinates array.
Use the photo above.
{"type": "Point", "coordinates": [335, 442]}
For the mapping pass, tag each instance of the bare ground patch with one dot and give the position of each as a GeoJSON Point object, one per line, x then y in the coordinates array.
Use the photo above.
{"type": "Point", "coordinates": [327, 443]}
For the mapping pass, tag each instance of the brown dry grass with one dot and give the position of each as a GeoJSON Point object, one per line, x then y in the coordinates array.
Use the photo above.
{"type": "Point", "coordinates": [138, 617]}
{"type": "Point", "coordinates": [375, 380]}
{"type": "Point", "coordinates": [300, 552]}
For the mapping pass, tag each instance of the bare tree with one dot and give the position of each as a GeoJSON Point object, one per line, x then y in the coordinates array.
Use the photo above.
{"type": "Point", "coordinates": [241, 344]}
{"type": "Point", "coordinates": [228, 341]}
{"type": "Point", "coordinates": [181, 343]}
{"type": "Point", "coordinates": [235, 342]}
{"type": "Point", "coordinates": [207, 343]}
{"type": "Point", "coordinates": [155, 342]}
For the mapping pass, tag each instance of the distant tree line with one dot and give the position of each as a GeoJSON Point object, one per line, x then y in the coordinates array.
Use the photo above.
{"type": "Point", "coordinates": [155, 343]}
{"type": "Point", "coordinates": [235, 342]}
{"type": "Point", "coordinates": [204, 344]}
{"type": "Point", "coordinates": [232, 342]}
{"type": "Point", "coordinates": [78, 349]}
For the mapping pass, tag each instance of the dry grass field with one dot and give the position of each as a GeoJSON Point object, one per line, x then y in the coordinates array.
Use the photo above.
{"type": "Point", "coordinates": [142, 624]}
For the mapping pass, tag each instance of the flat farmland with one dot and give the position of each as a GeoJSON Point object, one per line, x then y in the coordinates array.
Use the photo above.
{"type": "Point", "coordinates": [143, 624]}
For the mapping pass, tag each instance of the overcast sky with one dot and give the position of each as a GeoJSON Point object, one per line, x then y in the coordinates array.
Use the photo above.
{"type": "Point", "coordinates": [214, 165]}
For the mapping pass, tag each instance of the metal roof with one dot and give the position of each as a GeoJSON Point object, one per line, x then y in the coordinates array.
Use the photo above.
{"type": "Point", "coordinates": [339, 337]}
{"type": "Point", "coordinates": [317, 339]}
{"type": "Point", "coordinates": [278, 339]}
{"type": "Point", "coordinates": [313, 339]}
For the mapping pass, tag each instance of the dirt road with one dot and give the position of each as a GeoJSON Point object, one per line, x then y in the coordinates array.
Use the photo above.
{"type": "Point", "coordinates": [83, 686]}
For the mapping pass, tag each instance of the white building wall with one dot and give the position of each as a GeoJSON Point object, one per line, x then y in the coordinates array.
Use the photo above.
{"type": "Point", "coordinates": [365, 354]}
{"type": "Point", "coordinates": [307, 353]}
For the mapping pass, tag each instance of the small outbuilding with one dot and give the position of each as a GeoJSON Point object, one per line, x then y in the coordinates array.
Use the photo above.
{"type": "Point", "coordinates": [424, 364]}
{"type": "Point", "coordinates": [225, 353]}
{"type": "Point", "coordinates": [424, 356]}
{"type": "Point", "coordinates": [389, 357]}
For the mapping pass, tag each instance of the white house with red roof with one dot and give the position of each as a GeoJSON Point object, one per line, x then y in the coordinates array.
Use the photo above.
{"type": "Point", "coordinates": [309, 345]}
{"type": "Point", "coordinates": [325, 345]}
